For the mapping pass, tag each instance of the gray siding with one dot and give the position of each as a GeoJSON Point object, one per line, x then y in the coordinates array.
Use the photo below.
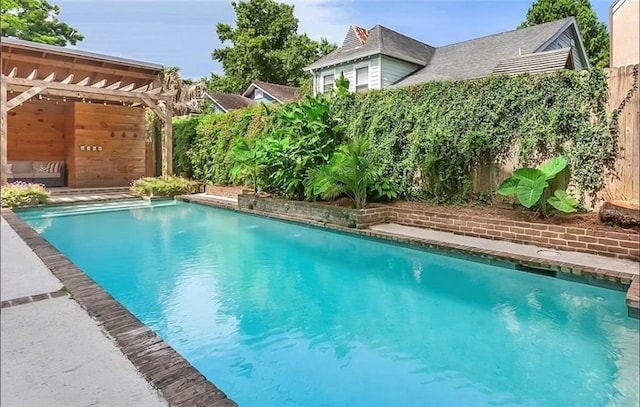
{"type": "Point", "coordinates": [569, 39]}
{"type": "Point", "coordinates": [393, 70]}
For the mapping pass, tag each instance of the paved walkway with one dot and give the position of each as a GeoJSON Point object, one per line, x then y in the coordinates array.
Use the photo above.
{"type": "Point", "coordinates": [577, 258]}
{"type": "Point", "coordinates": [53, 353]}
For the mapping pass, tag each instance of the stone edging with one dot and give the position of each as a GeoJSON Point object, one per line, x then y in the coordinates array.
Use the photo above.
{"type": "Point", "coordinates": [586, 274]}
{"type": "Point", "coordinates": [178, 382]}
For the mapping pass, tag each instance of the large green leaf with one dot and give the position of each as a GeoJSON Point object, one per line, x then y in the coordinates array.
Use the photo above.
{"type": "Point", "coordinates": [508, 186]}
{"type": "Point", "coordinates": [530, 191]}
{"type": "Point", "coordinates": [531, 174]}
{"type": "Point", "coordinates": [562, 202]}
{"type": "Point", "coordinates": [553, 167]}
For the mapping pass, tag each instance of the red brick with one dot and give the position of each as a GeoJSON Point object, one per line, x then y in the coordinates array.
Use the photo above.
{"type": "Point", "coordinates": [537, 239]}
{"type": "Point", "coordinates": [558, 242]}
{"type": "Point", "coordinates": [568, 236]}
{"type": "Point", "coordinates": [576, 231]}
{"type": "Point", "coordinates": [609, 242]}
{"type": "Point", "coordinates": [630, 245]}
{"type": "Point", "coordinates": [615, 249]}
{"type": "Point", "coordinates": [598, 233]}
{"type": "Point", "coordinates": [516, 229]}
{"type": "Point", "coordinates": [553, 235]}
{"type": "Point", "coordinates": [507, 223]}
{"type": "Point", "coordinates": [621, 236]}
{"type": "Point", "coordinates": [539, 226]}
{"type": "Point", "coordinates": [524, 238]}
{"type": "Point", "coordinates": [597, 247]}
{"type": "Point", "coordinates": [634, 254]}
{"type": "Point", "coordinates": [577, 244]}
{"type": "Point", "coordinates": [508, 235]}
{"type": "Point", "coordinates": [559, 229]}
{"type": "Point", "coordinates": [587, 239]}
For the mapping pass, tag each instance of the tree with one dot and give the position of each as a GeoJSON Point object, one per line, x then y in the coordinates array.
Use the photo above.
{"type": "Point", "coordinates": [265, 46]}
{"type": "Point", "coordinates": [36, 20]}
{"type": "Point", "coordinates": [594, 32]}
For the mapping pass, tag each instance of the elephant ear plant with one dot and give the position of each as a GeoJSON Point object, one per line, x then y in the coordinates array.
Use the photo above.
{"type": "Point", "coordinates": [532, 187]}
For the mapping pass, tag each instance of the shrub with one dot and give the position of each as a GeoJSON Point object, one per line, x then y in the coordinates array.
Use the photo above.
{"type": "Point", "coordinates": [184, 133]}
{"type": "Point", "coordinates": [162, 186]}
{"type": "Point", "coordinates": [20, 194]}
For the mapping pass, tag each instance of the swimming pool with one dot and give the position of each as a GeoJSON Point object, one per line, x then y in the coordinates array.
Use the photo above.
{"type": "Point", "coordinates": [280, 314]}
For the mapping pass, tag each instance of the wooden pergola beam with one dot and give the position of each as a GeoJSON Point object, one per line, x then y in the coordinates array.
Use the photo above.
{"type": "Point", "coordinates": [77, 66]}
{"type": "Point", "coordinates": [70, 90]}
{"type": "Point", "coordinates": [3, 134]}
{"type": "Point", "coordinates": [23, 97]}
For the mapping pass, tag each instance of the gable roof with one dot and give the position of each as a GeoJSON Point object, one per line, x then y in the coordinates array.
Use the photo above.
{"type": "Point", "coordinates": [379, 40]}
{"type": "Point", "coordinates": [546, 61]}
{"type": "Point", "coordinates": [228, 101]}
{"type": "Point", "coordinates": [479, 57]}
{"type": "Point", "coordinates": [281, 93]}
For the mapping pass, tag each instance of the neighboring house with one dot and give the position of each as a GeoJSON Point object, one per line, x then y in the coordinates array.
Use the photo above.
{"type": "Point", "coordinates": [380, 58]}
{"type": "Point", "coordinates": [257, 92]}
{"type": "Point", "coordinates": [624, 25]}
{"type": "Point", "coordinates": [225, 102]}
{"type": "Point", "coordinates": [266, 92]}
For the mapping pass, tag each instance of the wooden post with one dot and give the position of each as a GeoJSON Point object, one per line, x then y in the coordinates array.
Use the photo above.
{"type": "Point", "coordinates": [3, 144]}
{"type": "Point", "coordinates": [167, 142]}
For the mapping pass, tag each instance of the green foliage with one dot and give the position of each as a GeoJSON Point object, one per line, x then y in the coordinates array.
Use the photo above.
{"type": "Point", "coordinates": [352, 172]}
{"type": "Point", "coordinates": [249, 162]}
{"type": "Point", "coordinates": [20, 194]}
{"type": "Point", "coordinates": [184, 133]}
{"type": "Point", "coordinates": [162, 186]}
{"type": "Point", "coordinates": [36, 20]}
{"type": "Point", "coordinates": [594, 32]}
{"type": "Point", "coordinates": [430, 137]}
{"type": "Point", "coordinates": [530, 184]}
{"type": "Point", "coordinates": [211, 155]}
{"type": "Point", "coordinates": [265, 46]}
{"type": "Point", "coordinates": [303, 137]}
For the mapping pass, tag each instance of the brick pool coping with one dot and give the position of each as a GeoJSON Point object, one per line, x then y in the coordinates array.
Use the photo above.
{"type": "Point", "coordinates": [586, 274]}
{"type": "Point", "coordinates": [167, 371]}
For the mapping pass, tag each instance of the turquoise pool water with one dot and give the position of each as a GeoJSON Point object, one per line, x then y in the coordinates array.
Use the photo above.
{"type": "Point", "coordinates": [277, 314]}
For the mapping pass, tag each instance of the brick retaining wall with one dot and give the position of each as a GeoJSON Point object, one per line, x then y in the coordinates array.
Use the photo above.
{"type": "Point", "coordinates": [227, 192]}
{"type": "Point", "coordinates": [606, 243]}
{"type": "Point", "coordinates": [614, 244]}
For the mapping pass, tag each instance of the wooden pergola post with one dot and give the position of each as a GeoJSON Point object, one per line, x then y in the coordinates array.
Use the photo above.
{"type": "Point", "coordinates": [167, 142]}
{"type": "Point", "coordinates": [3, 144]}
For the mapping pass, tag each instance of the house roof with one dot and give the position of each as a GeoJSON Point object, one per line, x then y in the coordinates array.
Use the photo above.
{"type": "Point", "coordinates": [281, 93]}
{"type": "Point", "coordinates": [546, 61]}
{"type": "Point", "coordinates": [228, 101]}
{"type": "Point", "coordinates": [18, 43]}
{"type": "Point", "coordinates": [479, 57]}
{"type": "Point", "coordinates": [379, 40]}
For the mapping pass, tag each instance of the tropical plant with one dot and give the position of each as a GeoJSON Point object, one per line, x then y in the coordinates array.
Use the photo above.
{"type": "Point", "coordinates": [352, 172]}
{"type": "Point", "coordinates": [162, 186]}
{"type": "Point", "coordinates": [533, 187]}
{"type": "Point", "coordinates": [37, 21]}
{"type": "Point", "coordinates": [184, 133]}
{"type": "Point", "coordinates": [20, 194]}
{"type": "Point", "coordinates": [304, 136]}
{"type": "Point", "coordinates": [248, 162]}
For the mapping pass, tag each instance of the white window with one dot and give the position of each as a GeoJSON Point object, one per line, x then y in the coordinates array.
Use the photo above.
{"type": "Point", "coordinates": [328, 82]}
{"type": "Point", "coordinates": [362, 79]}
{"type": "Point", "coordinates": [258, 94]}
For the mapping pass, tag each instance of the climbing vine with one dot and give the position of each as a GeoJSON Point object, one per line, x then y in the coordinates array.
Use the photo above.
{"type": "Point", "coordinates": [428, 139]}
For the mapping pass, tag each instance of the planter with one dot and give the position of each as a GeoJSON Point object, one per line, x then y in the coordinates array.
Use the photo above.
{"type": "Point", "coordinates": [336, 215]}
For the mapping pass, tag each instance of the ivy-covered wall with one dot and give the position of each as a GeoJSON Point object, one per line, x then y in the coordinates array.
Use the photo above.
{"type": "Point", "coordinates": [429, 138]}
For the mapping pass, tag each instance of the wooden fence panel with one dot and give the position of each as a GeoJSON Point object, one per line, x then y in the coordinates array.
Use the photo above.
{"type": "Point", "coordinates": [624, 184]}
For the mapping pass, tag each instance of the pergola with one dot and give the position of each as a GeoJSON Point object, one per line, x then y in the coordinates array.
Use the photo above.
{"type": "Point", "coordinates": [36, 70]}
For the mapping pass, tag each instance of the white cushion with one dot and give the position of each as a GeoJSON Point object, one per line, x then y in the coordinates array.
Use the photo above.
{"type": "Point", "coordinates": [40, 167]}
{"type": "Point", "coordinates": [9, 169]}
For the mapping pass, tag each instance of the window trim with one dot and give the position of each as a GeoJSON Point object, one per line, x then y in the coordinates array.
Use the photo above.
{"type": "Point", "coordinates": [361, 65]}
{"type": "Point", "coordinates": [324, 75]}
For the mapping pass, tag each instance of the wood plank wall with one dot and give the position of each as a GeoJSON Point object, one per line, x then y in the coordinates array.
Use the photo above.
{"type": "Point", "coordinates": [625, 185]}
{"type": "Point", "coordinates": [36, 131]}
{"type": "Point", "coordinates": [120, 132]}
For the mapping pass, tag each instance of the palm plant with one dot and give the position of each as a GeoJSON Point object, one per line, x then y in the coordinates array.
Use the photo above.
{"type": "Point", "coordinates": [352, 172]}
{"type": "Point", "coordinates": [248, 162]}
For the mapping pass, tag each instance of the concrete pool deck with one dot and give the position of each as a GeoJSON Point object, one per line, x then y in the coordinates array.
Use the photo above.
{"type": "Point", "coordinates": [52, 352]}
{"type": "Point", "coordinates": [81, 350]}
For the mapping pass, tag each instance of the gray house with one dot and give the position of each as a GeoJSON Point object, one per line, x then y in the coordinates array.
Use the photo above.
{"type": "Point", "coordinates": [380, 58]}
{"type": "Point", "coordinates": [257, 92]}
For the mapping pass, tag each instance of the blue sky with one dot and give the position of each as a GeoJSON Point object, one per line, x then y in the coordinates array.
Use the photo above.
{"type": "Point", "coordinates": [182, 32]}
